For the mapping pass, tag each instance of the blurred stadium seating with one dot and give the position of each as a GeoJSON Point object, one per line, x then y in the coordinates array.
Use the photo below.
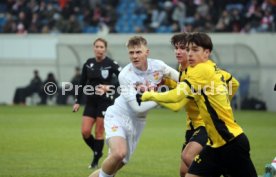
{"type": "Point", "coordinates": [130, 16]}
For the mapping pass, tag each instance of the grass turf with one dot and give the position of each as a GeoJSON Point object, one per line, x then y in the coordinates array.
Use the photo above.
{"type": "Point", "coordinates": [46, 142]}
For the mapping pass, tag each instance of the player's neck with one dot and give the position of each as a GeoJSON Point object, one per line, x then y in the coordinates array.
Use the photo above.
{"type": "Point", "coordinates": [183, 66]}
{"type": "Point", "coordinates": [100, 59]}
{"type": "Point", "coordinates": [144, 67]}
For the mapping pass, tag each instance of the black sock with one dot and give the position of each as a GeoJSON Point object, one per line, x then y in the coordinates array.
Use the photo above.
{"type": "Point", "coordinates": [90, 141]}
{"type": "Point", "coordinates": [99, 144]}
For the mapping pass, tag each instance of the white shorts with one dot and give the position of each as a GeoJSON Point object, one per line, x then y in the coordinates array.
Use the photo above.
{"type": "Point", "coordinates": [130, 128]}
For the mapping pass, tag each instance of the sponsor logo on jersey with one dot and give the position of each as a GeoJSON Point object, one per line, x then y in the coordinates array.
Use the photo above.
{"type": "Point", "coordinates": [156, 75]}
{"type": "Point", "coordinates": [90, 66]}
{"type": "Point", "coordinates": [114, 128]}
{"type": "Point", "coordinates": [197, 159]}
{"type": "Point", "coordinates": [104, 73]}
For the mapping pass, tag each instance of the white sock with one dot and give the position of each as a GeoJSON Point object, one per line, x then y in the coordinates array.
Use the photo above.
{"type": "Point", "coordinates": [103, 174]}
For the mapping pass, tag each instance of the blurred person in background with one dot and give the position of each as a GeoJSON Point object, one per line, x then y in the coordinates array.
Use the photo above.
{"type": "Point", "coordinates": [48, 89]}
{"type": "Point", "coordinates": [196, 136]}
{"type": "Point", "coordinates": [34, 87]}
{"type": "Point", "coordinates": [63, 98]}
{"type": "Point", "coordinates": [97, 72]}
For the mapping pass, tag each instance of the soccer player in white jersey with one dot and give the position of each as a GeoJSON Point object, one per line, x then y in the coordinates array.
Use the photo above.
{"type": "Point", "coordinates": [125, 120]}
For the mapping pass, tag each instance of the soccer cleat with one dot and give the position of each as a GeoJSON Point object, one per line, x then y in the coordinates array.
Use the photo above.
{"type": "Point", "coordinates": [95, 163]}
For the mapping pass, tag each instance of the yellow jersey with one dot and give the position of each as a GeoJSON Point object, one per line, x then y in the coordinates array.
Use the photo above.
{"type": "Point", "coordinates": [207, 85]}
{"type": "Point", "coordinates": [194, 119]}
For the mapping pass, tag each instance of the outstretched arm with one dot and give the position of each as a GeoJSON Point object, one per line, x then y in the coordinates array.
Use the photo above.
{"type": "Point", "coordinates": [178, 94]}
{"type": "Point", "coordinates": [143, 107]}
{"type": "Point", "coordinates": [175, 106]}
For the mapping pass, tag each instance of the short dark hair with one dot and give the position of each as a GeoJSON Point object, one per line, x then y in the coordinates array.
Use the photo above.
{"type": "Point", "coordinates": [102, 40]}
{"type": "Point", "coordinates": [200, 39]}
{"type": "Point", "coordinates": [180, 38]}
{"type": "Point", "coordinates": [136, 41]}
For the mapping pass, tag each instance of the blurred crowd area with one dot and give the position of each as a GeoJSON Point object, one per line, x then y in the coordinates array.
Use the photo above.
{"type": "Point", "coordinates": [136, 16]}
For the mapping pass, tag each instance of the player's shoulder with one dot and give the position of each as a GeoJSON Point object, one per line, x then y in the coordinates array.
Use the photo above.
{"type": "Point", "coordinates": [126, 72]}
{"type": "Point", "coordinates": [90, 60]}
{"type": "Point", "coordinates": [204, 69]}
{"type": "Point", "coordinates": [89, 63]}
{"type": "Point", "coordinates": [157, 64]}
{"type": "Point", "coordinates": [154, 61]}
{"type": "Point", "coordinates": [227, 75]}
{"type": "Point", "coordinates": [111, 61]}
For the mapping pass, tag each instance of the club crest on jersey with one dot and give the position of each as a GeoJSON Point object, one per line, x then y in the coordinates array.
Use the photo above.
{"type": "Point", "coordinates": [114, 128]}
{"type": "Point", "coordinates": [156, 75]}
{"type": "Point", "coordinates": [104, 73]}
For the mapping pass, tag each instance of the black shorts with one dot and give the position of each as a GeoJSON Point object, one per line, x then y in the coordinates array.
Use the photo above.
{"type": "Point", "coordinates": [232, 159]}
{"type": "Point", "coordinates": [198, 135]}
{"type": "Point", "coordinates": [96, 106]}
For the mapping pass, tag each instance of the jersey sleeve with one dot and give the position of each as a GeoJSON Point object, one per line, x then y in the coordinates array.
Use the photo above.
{"type": "Point", "coordinates": [127, 89]}
{"type": "Point", "coordinates": [173, 96]}
{"type": "Point", "coordinates": [169, 72]}
{"type": "Point", "coordinates": [232, 83]}
{"type": "Point", "coordinates": [174, 106]}
{"type": "Point", "coordinates": [169, 82]}
{"type": "Point", "coordinates": [129, 93]}
{"type": "Point", "coordinates": [116, 68]}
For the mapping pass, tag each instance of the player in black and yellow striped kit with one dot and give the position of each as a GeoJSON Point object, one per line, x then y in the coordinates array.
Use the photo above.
{"type": "Point", "coordinates": [227, 151]}
{"type": "Point", "coordinates": [196, 135]}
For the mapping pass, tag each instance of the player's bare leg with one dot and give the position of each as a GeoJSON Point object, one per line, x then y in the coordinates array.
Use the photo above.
{"type": "Point", "coordinates": [188, 154]}
{"type": "Point", "coordinates": [118, 151]}
{"type": "Point", "coordinates": [183, 168]}
{"type": "Point", "coordinates": [191, 150]}
{"type": "Point", "coordinates": [114, 161]}
{"type": "Point", "coordinates": [97, 172]}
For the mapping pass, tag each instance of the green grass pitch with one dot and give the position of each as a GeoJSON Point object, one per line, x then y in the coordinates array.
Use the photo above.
{"type": "Point", "coordinates": [46, 142]}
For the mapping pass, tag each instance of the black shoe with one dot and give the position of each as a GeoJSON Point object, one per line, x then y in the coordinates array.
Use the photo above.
{"type": "Point", "coordinates": [95, 163]}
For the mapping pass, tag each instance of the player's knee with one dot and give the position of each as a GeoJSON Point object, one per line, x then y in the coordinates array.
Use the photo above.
{"type": "Point", "coordinates": [85, 133]}
{"type": "Point", "coordinates": [118, 155]}
{"type": "Point", "coordinates": [99, 134]}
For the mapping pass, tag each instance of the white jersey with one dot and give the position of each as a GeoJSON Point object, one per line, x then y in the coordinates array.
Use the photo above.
{"type": "Point", "coordinates": [126, 118]}
{"type": "Point", "coordinates": [130, 76]}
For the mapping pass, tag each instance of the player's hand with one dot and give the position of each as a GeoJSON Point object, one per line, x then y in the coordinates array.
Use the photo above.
{"type": "Point", "coordinates": [138, 98]}
{"type": "Point", "coordinates": [76, 107]}
{"type": "Point", "coordinates": [100, 89]}
{"type": "Point", "coordinates": [146, 96]}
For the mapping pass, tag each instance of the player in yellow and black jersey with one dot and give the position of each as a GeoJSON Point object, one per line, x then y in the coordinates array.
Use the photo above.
{"type": "Point", "coordinates": [196, 135]}
{"type": "Point", "coordinates": [227, 151]}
